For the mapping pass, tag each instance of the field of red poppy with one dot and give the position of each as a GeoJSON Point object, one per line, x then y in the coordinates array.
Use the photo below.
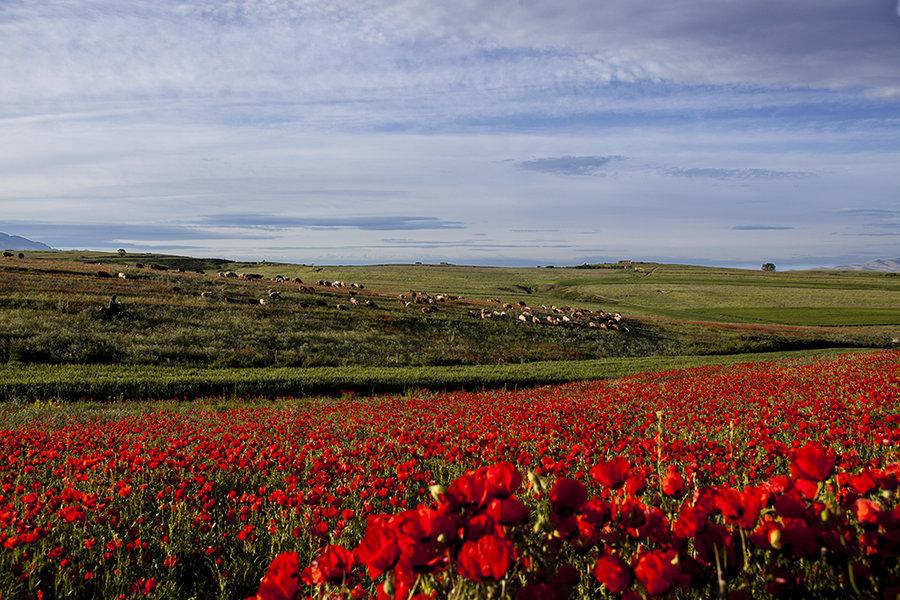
{"type": "Point", "coordinates": [744, 481]}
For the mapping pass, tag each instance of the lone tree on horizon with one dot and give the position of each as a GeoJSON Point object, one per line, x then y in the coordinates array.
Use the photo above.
{"type": "Point", "coordinates": [768, 267]}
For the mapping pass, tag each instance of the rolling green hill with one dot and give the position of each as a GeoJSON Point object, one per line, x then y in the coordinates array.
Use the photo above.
{"type": "Point", "coordinates": [183, 314]}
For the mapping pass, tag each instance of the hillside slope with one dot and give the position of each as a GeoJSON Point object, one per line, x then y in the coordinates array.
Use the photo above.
{"type": "Point", "coordinates": [16, 242]}
{"type": "Point", "coordinates": [51, 312]}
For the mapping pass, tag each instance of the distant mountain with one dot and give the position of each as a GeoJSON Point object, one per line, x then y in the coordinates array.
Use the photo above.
{"type": "Point", "coordinates": [16, 242]}
{"type": "Point", "coordinates": [885, 265]}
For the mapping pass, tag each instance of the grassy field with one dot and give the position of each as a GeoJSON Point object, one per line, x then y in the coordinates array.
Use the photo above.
{"type": "Point", "coordinates": [50, 313]}
{"type": "Point", "coordinates": [815, 298]}
{"type": "Point", "coordinates": [118, 382]}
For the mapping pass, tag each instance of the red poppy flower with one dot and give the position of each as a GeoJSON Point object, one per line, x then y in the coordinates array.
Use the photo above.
{"type": "Point", "coordinates": [282, 579]}
{"type": "Point", "coordinates": [378, 549]}
{"type": "Point", "coordinates": [611, 473]}
{"type": "Point", "coordinates": [672, 482]}
{"type": "Point", "coordinates": [503, 479]}
{"type": "Point", "coordinates": [488, 558]}
{"type": "Point", "coordinates": [657, 570]}
{"type": "Point", "coordinates": [508, 511]}
{"type": "Point", "coordinates": [739, 508]}
{"type": "Point", "coordinates": [813, 461]}
{"type": "Point", "coordinates": [611, 571]}
{"type": "Point", "coordinates": [868, 512]}
{"type": "Point", "coordinates": [567, 496]}
{"type": "Point", "coordinates": [470, 489]}
{"type": "Point", "coordinates": [332, 565]}
{"type": "Point", "coordinates": [690, 522]}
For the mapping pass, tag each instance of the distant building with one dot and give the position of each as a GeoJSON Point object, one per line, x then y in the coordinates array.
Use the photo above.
{"type": "Point", "coordinates": [625, 264]}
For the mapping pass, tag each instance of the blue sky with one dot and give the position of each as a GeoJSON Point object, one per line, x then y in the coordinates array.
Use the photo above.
{"type": "Point", "coordinates": [489, 132]}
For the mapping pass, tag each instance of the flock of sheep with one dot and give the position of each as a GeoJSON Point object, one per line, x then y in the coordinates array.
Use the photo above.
{"type": "Point", "coordinates": [425, 302]}
{"type": "Point", "coordinates": [428, 303]}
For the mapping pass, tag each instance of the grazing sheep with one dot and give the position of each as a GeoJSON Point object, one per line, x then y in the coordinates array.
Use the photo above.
{"type": "Point", "coordinates": [250, 276]}
{"type": "Point", "coordinates": [342, 307]}
{"type": "Point", "coordinates": [535, 319]}
{"type": "Point", "coordinates": [507, 305]}
{"type": "Point", "coordinates": [523, 318]}
{"type": "Point", "coordinates": [297, 280]}
{"type": "Point", "coordinates": [263, 301]}
{"type": "Point", "coordinates": [123, 276]}
{"type": "Point", "coordinates": [158, 267]}
{"type": "Point", "coordinates": [279, 278]}
{"type": "Point", "coordinates": [274, 294]}
{"type": "Point", "coordinates": [429, 309]}
{"type": "Point", "coordinates": [370, 304]}
{"type": "Point", "coordinates": [353, 301]}
{"type": "Point", "coordinates": [407, 304]}
{"type": "Point", "coordinates": [474, 314]}
{"type": "Point", "coordinates": [8, 254]}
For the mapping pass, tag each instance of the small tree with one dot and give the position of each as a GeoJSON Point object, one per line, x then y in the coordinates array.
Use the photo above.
{"type": "Point", "coordinates": [768, 267]}
{"type": "Point", "coordinates": [121, 251]}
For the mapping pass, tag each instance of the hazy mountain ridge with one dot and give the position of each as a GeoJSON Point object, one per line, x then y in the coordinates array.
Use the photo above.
{"type": "Point", "coordinates": [887, 265]}
{"type": "Point", "coordinates": [17, 242]}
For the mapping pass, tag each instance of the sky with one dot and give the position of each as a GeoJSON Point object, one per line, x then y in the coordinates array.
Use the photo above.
{"type": "Point", "coordinates": [505, 132]}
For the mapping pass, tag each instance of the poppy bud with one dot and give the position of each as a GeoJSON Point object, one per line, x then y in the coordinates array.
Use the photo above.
{"type": "Point", "coordinates": [775, 538]}
{"type": "Point", "coordinates": [442, 538]}
{"type": "Point", "coordinates": [437, 492]}
{"type": "Point", "coordinates": [825, 515]}
{"type": "Point", "coordinates": [389, 586]}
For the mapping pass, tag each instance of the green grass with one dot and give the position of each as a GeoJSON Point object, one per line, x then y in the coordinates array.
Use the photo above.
{"type": "Point", "coordinates": [820, 316]}
{"type": "Point", "coordinates": [117, 382]}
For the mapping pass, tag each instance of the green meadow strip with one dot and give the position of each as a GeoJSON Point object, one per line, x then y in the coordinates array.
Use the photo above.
{"type": "Point", "coordinates": [21, 382]}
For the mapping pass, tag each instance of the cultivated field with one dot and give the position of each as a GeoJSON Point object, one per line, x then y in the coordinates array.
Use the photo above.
{"type": "Point", "coordinates": [752, 480]}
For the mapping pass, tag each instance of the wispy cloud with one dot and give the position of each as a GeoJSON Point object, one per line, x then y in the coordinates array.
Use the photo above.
{"type": "Point", "coordinates": [867, 212]}
{"type": "Point", "coordinates": [737, 174]}
{"type": "Point", "coordinates": [370, 223]}
{"type": "Point", "coordinates": [570, 165]}
{"type": "Point", "coordinates": [760, 227]}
